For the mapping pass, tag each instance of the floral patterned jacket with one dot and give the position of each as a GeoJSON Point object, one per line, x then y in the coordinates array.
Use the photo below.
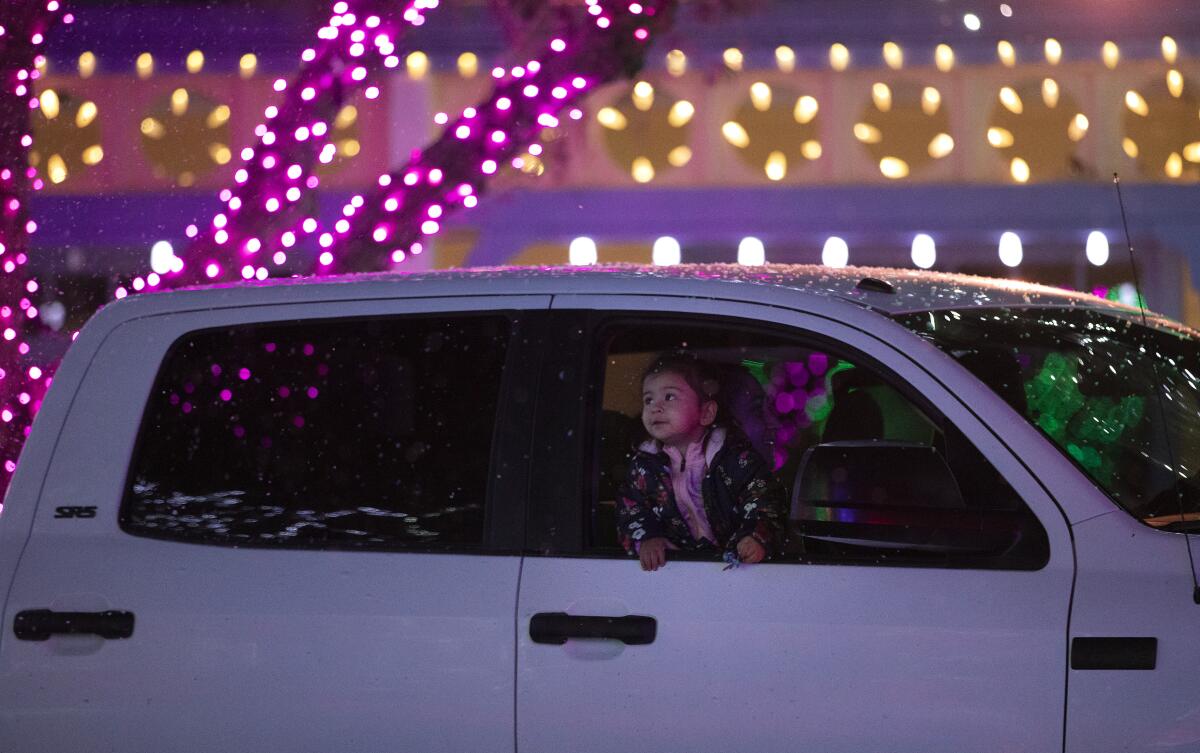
{"type": "Point", "coordinates": [741, 498]}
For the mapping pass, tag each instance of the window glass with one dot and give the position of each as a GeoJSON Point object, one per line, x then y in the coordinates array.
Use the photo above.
{"type": "Point", "coordinates": [1117, 397]}
{"type": "Point", "coordinates": [365, 433]}
{"type": "Point", "coordinates": [865, 474]}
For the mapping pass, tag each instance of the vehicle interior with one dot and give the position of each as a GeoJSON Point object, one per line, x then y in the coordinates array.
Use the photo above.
{"type": "Point", "coordinates": [865, 474]}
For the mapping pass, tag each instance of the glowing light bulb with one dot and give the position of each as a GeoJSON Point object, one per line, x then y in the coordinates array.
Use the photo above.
{"type": "Point", "coordinates": [881, 95]}
{"type": "Point", "coordinates": [776, 167]}
{"type": "Point", "coordinates": [734, 59]}
{"type": "Point", "coordinates": [1006, 53]}
{"type": "Point", "coordinates": [468, 64]}
{"type": "Point", "coordinates": [785, 58]}
{"type": "Point", "coordinates": [87, 65]}
{"type": "Point", "coordinates": [144, 65]}
{"type": "Point", "coordinates": [1111, 54]}
{"type": "Point", "coordinates": [1011, 252]}
{"type": "Point", "coordinates": [676, 63]}
{"type": "Point", "coordinates": [1020, 170]}
{"type": "Point", "coordinates": [247, 65]}
{"type": "Point", "coordinates": [805, 110]}
{"type": "Point", "coordinates": [1170, 50]}
{"type": "Point", "coordinates": [943, 58]}
{"type": "Point", "coordinates": [893, 55]}
{"type": "Point", "coordinates": [1137, 103]}
{"type": "Point", "coordinates": [835, 253]}
{"type": "Point", "coordinates": [924, 251]}
{"type": "Point", "coordinates": [839, 57]}
{"type": "Point", "coordinates": [931, 100]}
{"type": "Point", "coordinates": [1097, 248]}
{"type": "Point", "coordinates": [161, 257]}
{"type": "Point", "coordinates": [195, 61]}
{"type": "Point", "coordinates": [1050, 92]}
{"type": "Point", "coordinates": [582, 252]}
{"type": "Point", "coordinates": [1011, 100]}
{"type": "Point", "coordinates": [666, 252]}
{"type": "Point", "coordinates": [1053, 51]}
{"type": "Point", "coordinates": [751, 252]}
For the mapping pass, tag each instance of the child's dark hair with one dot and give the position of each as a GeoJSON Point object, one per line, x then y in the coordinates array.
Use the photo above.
{"type": "Point", "coordinates": [698, 374]}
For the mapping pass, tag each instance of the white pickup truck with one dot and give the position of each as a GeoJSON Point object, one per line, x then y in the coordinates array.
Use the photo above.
{"type": "Point", "coordinates": [377, 514]}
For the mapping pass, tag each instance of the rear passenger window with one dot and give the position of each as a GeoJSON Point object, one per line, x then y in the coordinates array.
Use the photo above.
{"type": "Point", "coordinates": [361, 433]}
{"type": "Point", "coordinates": [862, 472]}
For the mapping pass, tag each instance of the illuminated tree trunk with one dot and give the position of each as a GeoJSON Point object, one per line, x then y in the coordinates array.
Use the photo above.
{"type": "Point", "coordinates": [269, 209]}
{"type": "Point", "coordinates": [451, 173]}
{"type": "Point", "coordinates": [23, 382]}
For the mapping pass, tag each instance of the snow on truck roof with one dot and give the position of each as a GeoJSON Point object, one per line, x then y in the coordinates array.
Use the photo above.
{"type": "Point", "coordinates": [888, 291]}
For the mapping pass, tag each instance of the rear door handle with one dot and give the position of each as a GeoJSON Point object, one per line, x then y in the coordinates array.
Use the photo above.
{"type": "Point", "coordinates": [556, 627]}
{"type": "Point", "coordinates": [40, 624]}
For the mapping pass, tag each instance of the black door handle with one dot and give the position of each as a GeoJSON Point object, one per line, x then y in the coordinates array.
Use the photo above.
{"type": "Point", "coordinates": [40, 624]}
{"type": "Point", "coordinates": [556, 627]}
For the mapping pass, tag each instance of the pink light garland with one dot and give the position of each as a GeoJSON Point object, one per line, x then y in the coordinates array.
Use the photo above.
{"type": "Point", "coordinates": [270, 207]}
{"type": "Point", "coordinates": [455, 170]}
{"type": "Point", "coordinates": [23, 380]}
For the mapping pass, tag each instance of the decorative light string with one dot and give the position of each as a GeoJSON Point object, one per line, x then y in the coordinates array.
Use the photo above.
{"type": "Point", "coordinates": [451, 174]}
{"type": "Point", "coordinates": [270, 210]}
{"type": "Point", "coordinates": [24, 25]}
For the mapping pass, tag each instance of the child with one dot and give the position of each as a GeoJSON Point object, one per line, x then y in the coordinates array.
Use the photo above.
{"type": "Point", "coordinates": [694, 485]}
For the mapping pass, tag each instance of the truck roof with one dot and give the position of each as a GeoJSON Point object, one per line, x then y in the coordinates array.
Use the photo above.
{"type": "Point", "coordinates": [888, 291]}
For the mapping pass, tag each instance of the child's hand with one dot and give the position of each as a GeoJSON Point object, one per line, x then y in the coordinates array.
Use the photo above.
{"type": "Point", "coordinates": [653, 553]}
{"type": "Point", "coordinates": [749, 550]}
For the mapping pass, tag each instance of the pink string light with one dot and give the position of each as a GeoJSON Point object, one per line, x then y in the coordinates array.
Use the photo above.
{"type": "Point", "coordinates": [270, 201]}
{"type": "Point", "coordinates": [526, 100]}
{"type": "Point", "coordinates": [23, 380]}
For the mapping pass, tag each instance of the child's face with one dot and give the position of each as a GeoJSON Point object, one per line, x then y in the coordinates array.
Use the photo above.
{"type": "Point", "coordinates": [672, 411]}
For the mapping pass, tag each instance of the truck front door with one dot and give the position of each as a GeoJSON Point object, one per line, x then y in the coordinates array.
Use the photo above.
{"type": "Point", "coordinates": [860, 635]}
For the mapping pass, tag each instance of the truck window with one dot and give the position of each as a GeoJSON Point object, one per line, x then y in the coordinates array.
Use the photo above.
{"type": "Point", "coordinates": [812, 413]}
{"type": "Point", "coordinates": [1117, 397]}
{"type": "Point", "coordinates": [342, 434]}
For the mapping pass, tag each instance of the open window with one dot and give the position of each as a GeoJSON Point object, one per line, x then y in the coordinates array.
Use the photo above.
{"type": "Point", "coordinates": [868, 472]}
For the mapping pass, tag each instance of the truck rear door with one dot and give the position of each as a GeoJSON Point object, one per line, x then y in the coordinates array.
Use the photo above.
{"type": "Point", "coordinates": [280, 528]}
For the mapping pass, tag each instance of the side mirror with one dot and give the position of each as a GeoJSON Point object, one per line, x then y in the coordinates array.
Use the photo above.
{"type": "Point", "coordinates": [892, 496]}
